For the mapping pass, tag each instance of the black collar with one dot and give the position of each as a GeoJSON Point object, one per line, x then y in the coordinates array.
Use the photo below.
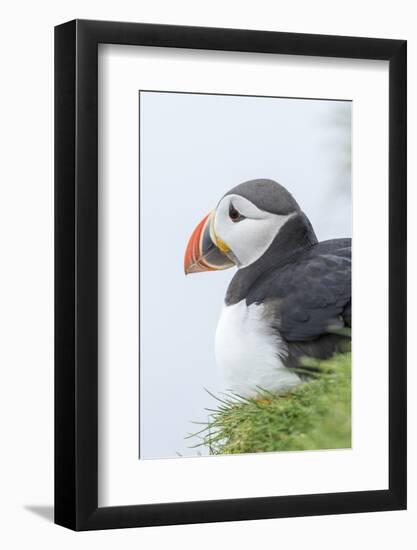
{"type": "Point", "coordinates": [294, 239]}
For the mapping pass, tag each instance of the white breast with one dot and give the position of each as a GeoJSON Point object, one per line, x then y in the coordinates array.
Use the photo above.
{"type": "Point", "coordinates": [249, 352]}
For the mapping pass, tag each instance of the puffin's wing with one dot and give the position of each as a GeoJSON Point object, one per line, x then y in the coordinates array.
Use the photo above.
{"type": "Point", "coordinates": [312, 297]}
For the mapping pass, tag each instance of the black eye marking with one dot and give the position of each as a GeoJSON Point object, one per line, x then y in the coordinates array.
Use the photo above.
{"type": "Point", "coordinates": [234, 214]}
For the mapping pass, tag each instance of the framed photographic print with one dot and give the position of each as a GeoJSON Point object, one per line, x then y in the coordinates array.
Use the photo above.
{"type": "Point", "coordinates": [230, 251]}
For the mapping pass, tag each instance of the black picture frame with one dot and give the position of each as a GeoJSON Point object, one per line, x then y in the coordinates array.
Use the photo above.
{"type": "Point", "coordinates": [76, 272]}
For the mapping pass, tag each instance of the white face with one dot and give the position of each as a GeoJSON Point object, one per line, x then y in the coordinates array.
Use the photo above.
{"type": "Point", "coordinates": [250, 235]}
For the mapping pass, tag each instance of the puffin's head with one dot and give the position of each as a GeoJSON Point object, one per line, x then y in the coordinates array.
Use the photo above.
{"type": "Point", "coordinates": [241, 228]}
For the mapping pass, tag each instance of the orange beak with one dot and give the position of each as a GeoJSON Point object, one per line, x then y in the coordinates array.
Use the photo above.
{"type": "Point", "coordinates": [202, 252]}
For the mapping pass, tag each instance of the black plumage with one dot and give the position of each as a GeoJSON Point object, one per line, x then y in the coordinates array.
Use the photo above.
{"type": "Point", "coordinates": [305, 287]}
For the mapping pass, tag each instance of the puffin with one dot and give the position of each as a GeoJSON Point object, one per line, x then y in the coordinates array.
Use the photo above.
{"type": "Point", "coordinates": [289, 302]}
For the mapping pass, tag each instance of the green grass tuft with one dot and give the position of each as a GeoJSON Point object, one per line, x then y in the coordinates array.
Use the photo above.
{"type": "Point", "coordinates": [315, 415]}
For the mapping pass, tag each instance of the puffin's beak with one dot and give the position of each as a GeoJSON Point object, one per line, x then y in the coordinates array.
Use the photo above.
{"type": "Point", "coordinates": [204, 251]}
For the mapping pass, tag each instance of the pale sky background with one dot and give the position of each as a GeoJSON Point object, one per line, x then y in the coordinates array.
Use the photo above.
{"type": "Point", "coordinates": [193, 149]}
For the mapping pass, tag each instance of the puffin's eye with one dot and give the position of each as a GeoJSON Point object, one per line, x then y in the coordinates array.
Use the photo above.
{"type": "Point", "coordinates": [234, 214]}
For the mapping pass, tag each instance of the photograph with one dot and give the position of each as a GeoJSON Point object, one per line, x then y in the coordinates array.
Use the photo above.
{"type": "Point", "coordinates": [195, 203]}
{"type": "Point", "coordinates": [245, 274]}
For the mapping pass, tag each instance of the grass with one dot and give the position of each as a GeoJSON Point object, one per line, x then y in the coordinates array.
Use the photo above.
{"type": "Point", "coordinates": [314, 415]}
